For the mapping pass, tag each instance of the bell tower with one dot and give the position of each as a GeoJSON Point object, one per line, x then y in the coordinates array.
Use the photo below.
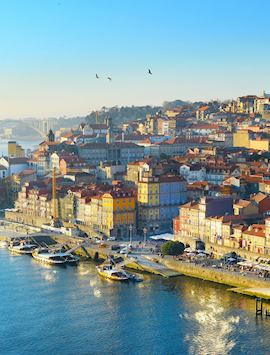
{"type": "Point", "coordinates": [50, 136]}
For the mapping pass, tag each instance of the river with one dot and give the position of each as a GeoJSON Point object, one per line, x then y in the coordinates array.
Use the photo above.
{"type": "Point", "coordinates": [50, 310]}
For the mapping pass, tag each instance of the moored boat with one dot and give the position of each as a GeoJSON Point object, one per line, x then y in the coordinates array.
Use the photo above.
{"type": "Point", "coordinates": [22, 247]}
{"type": "Point", "coordinates": [45, 256]}
{"type": "Point", "coordinates": [110, 272]}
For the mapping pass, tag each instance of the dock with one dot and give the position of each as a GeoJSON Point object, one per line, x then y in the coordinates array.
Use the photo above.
{"type": "Point", "coordinates": [88, 250]}
{"type": "Point", "coordinates": [145, 264]}
{"type": "Point", "coordinates": [260, 292]}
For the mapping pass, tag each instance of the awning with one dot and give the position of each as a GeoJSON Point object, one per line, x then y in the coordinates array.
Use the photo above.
{"type": "Point", "coordinates": [246, 263]}
{"type": "Point", "coordinates": [165, 236]}
{"type": "Point", "coordinates": [263, 267]}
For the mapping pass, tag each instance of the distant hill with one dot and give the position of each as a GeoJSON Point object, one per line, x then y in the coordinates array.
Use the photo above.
{"type": "Point", "coordinates": [167, 105]}
{"type": "Point", "coordinates": [123, 114]}
{"type": "Point", "coordinates": [131, 113]}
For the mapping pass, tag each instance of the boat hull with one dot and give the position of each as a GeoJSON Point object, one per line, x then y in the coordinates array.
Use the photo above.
{"type": "Point", "coordinates": [19, 251]}
{"type": "Point", "coordinates": [73, 262]}
{"type": "Point", "coordinates": [112, 277]}
{"type": "Point", "coordinates": [49, 261]}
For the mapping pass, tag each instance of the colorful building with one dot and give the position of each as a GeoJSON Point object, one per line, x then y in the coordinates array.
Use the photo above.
{"type": "Point", "coordinates": [158, 200]}
{"type": "Point", "coordinates": [118, 212]}
{"type": "Point", "coordinates": [15, 150]}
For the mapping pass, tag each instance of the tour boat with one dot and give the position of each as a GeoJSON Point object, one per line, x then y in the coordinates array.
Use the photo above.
{"type": "Point", "coordinates": [110, 272]}
{"type": "Point", "coordinates": [45, 256]}
{"type": "Point", "coordinates": [55, 256]}
{"type": "Point", "coordinates": [22, 247]}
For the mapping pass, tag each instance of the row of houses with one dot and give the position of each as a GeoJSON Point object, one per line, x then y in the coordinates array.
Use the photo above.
{"type": "Point", "coordinates": [111, 207]}
{"type": "Point", "coordinates": [220, 220]}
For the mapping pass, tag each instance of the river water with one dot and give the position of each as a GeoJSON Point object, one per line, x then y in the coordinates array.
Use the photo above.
{"type": "Point", "coordinates": [50, 310]}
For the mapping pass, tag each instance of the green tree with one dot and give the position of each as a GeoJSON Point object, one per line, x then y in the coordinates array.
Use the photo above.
{"type": "Point", "coordinates": [172, 248]}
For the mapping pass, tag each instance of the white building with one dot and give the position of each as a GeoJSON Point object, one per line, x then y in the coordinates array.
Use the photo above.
{"type": "Point", "coordinates": [193, 173]}
{"type": "Point", "coordinates": [13, 166]}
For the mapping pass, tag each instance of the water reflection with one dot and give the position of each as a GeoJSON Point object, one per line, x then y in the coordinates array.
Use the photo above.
{"type": "Point", "coordinates": [214, 315]}
{"type": "Point", "coordinates": [74, 308]}
{"type": "Point", "coordinates": [83, 269]}
{"type": "Point", "coordinates": [214, 328]}
{"type": "Point", "coordinates": [50, 276]}
{"type": "Point", "coordinates": [97, 292]}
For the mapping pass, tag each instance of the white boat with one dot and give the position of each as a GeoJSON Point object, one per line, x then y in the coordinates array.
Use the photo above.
{"type": "Point", "coordinates": [22, 247]}
{"type": "Point", "coordinates": [45, 256]}
{"type": "Point", "coordinates": [55, 256]}
{"type": "Point", "coordinates": [110, 272]}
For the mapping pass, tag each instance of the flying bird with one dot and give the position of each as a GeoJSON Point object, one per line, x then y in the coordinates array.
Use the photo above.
{"type": "Point", "coordinates": [97, 76]}
{"type": "Point", "coordinates": [149, 72]}
{"type": "Point", "coordinates": [109, 78]}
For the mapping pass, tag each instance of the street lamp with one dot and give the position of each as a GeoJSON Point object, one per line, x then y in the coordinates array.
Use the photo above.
{"type": "Point", "coordinates": [145, 233]}
{"type": "Point", "coordinates": [130, 234]}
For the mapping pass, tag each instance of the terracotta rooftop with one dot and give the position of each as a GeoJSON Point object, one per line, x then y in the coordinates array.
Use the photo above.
{"type": "Point", "coordinates": [242, 203]}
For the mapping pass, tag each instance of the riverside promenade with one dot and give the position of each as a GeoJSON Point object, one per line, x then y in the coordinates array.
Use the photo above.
{"type": "Point", "coordinates": [87, 249]}
{"type": "Point", "coordinates": [251, 285]}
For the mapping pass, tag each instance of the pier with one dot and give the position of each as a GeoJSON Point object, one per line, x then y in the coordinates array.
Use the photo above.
{"type": "Point", "coordinates": [88, 250]}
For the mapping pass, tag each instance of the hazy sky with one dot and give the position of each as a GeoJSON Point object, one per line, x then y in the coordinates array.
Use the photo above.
{"type": "Point", "coordinates": [50, 51]}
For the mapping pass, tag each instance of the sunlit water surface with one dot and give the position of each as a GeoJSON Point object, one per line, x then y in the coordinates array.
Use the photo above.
{"type": "Point", "coordinates": [50, 310]}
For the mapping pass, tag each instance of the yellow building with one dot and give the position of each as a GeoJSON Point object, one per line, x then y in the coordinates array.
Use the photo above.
{"type": "Point", "coordinates": [118, 213]}
{"type": "Point", "coordinates": [148, 191]}
{"type": "Point", "coordinates": [259, 144]}
{"type": "Point", "coordinates": [241, 138]}
{"type": "Point", "coordinates": [148, 203]}
{"type": "Point", "coordinates": [15, 150]}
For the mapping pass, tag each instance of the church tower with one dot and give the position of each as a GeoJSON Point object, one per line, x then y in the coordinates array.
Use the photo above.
{"type": "Point", "coordinates": [50, 136]}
